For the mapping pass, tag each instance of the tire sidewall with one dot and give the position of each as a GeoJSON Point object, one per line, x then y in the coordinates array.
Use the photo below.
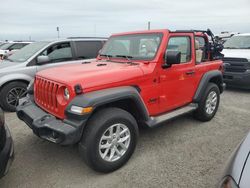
{"type": "Point", "coordinates": [4, 93]}
{"type": "Point", "coordinates": [131, 144]}
{"type": "Point", "coordinates": [93, 155]}
{"type": "Point", "coordinates": [211, 87]}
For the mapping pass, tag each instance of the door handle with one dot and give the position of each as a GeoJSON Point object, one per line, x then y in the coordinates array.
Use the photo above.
{"type": "Point", "coordinates": [190, 72]}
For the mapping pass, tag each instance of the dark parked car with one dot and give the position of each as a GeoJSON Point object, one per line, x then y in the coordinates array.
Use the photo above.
{"type": "Point", "coordinates": [237, 173]}
{"type": "Point", "coordinates": [6, 146]}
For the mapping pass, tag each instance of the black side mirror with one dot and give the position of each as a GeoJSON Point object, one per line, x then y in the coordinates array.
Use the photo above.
{"type": "Point", "coordinates": [172, 57]}
{"type": "Point", "coordinates": [42, 59]}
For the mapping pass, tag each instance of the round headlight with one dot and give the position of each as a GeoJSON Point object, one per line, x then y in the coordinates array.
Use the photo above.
{"type": "Point", "coordinates": [66, 94]}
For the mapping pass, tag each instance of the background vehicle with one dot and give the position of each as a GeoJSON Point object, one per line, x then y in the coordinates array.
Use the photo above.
{"type": "Point", "coordinates": [237, 172]}
{"type": "Point", "coordinates": [2, 43]}
{"type": "Point", "coordinates": [140, 78]}
{"type": "Point", "coordinates": [6, 146]}
{"type": "Point", "coordinates": [225, 35]}
{"type": "Point", "coordinates": [237, 61]}
{"type": "Point", "coordinates": [19, 69]}
{"type": "Point", "coordinates": [9, 48]}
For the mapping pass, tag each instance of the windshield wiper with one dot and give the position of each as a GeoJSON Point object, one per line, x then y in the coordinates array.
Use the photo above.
{"type": "Point", "coordinates": [106, 55]}
{"type": "Point", "coordinates": [125, 56]}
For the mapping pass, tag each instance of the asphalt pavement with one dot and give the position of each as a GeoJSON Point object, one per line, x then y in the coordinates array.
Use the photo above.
{"type": "Point", "coordinates": [182, 153]}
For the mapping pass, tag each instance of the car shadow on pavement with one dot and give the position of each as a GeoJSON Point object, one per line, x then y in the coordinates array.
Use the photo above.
{"type": "Point", "coordinates": [239, 90]}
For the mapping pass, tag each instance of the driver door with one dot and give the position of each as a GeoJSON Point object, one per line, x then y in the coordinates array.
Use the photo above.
{"type": "Point", "coordinates": [177, 81]}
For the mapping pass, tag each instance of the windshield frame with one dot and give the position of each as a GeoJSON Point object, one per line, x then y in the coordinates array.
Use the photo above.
{"type": "Point", "coordinates": [108, 56]}
{"type": "Point", "coordinates": [233, 42]}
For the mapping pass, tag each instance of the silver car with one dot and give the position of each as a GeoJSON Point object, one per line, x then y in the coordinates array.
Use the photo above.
{"type": "Point", "coordinates": [237, 172]}
{"type": "Point", "coordinates": [19, 69]}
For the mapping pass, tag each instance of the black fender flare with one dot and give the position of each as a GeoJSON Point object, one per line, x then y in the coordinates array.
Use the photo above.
{"type": "Point", "coordinates": [207, 77]}
{"type": "Point", "coordinates": [102, 97]}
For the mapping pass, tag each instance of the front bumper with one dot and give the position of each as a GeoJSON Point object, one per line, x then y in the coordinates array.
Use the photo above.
{"type": "Point", "coordinates": [7, 153]}
{"type": "Point", "coordinates": [48, 127]}
{"type": "Point", "coordinates": [239, 80]}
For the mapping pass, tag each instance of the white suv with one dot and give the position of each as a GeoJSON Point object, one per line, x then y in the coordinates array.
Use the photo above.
{"type": "Point", "coordinates": [237, 61]}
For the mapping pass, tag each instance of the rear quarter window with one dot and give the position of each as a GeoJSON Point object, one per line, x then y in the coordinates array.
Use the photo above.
{"type": "Point", "coordinates": [201, 41]}
{"type": "Point", "coordinates": [88, 49]}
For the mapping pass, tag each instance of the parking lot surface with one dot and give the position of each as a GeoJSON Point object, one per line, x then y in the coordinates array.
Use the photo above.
{"type": "Point", "coordinates": [181, 153]}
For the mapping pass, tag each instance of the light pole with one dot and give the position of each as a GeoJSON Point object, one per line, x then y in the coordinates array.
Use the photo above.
{"type": "Point", "coordinates": [57, 29]}
{"type": "Point", "coordinates": [149, 24]}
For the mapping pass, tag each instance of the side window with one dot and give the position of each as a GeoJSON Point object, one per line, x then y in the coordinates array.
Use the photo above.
{"type": "Point", "coordinates": [181, 44]}
{"type": "Point", "coordinates": [201, 52]}
{"type": "Point", "coordinates": [88, 49]}
{"type": "Point", "coordinates": [59, 52]}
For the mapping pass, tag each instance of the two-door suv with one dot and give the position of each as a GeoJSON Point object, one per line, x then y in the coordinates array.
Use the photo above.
{"type": "Point", "coordinates": [139, 78]}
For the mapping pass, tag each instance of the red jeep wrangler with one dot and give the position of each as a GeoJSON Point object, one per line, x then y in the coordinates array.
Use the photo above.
{"type": "Point", "coordinates": [139, 78]}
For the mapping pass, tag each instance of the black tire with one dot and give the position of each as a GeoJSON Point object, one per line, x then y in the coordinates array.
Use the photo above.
{"type": "Point", "coordinates": [96, 127]}
{"type": "Point", "coordinates": [6, 91]}
{"type": "Point", "coordinates": [201, 113]}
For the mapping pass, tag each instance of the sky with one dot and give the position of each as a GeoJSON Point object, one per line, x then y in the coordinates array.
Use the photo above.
{"type": "Point", "coordinates": [38, 19]}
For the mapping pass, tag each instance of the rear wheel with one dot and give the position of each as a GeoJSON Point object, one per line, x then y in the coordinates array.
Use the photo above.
{"type": "Point", "coordinates": [109, 139]}
{"type": "Point", "coordinates": [209, 103]}
{"type": "Point", "coordinates": [10, 95]}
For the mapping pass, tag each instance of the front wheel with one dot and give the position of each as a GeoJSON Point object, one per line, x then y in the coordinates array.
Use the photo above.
{"type": "Point", "coordinates": [109, 139]}
{"type": "Point", "coordinates": [10, 95]}
{"type": "Point", "coordinates": [209, 103]}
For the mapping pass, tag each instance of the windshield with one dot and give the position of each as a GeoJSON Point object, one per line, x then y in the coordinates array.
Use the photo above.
{"type": "Point", "coordinates": [136, 46]}
{"type": "Point", "coordinates": [2, 45]}
{"type": "Point", "coordinates": [26, 52]}
{"type": "Point", "coordinates": [5, 46]}
{"type": "Point", "coordinates": [238, 42]}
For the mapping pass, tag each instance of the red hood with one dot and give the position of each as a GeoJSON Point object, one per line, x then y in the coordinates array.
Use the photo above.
{"type": "Point", "coordinates": [93, 75]}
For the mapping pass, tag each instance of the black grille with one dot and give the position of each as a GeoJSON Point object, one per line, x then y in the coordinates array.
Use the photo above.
{"type": "Point", "coordinates": [238, 65]}
{"type": "Point", "coordinates": [234, 69]}
{"type": "Point", "coordinates": [233, 59]}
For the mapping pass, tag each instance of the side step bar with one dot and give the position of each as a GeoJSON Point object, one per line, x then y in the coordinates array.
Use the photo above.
{"type": "Point", "coordinates": [156, 120]}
